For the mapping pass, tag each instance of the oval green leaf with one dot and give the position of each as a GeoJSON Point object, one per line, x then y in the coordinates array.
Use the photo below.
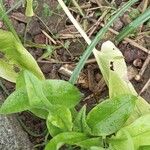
{"type": "Point", "coordinates": [110, 115]}
{"type": "Point", "coordinates": [70, 138]}
{"type": "Point", "coordinates": [59, 120]}
{"type": "Point", "coordinates": [61, 92]}
{"type": "Point", "coordinates": [16, 102]}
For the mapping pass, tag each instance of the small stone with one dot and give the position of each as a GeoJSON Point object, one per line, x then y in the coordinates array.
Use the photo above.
{"type": "Point", "coordinates": [131, 53]}
{"type": "Point", "coordinates": [118, 24]}
{"type": "Point", "coordinates": [40, 39]}
{"type": "Point", "coordinates": [138, 78]}
{"type": "Point", "coordinates": [46, 68]}
{"type": "Point", "coordinates": [34, 28]}
{"type": "Point", "coordinates": [137, 63]}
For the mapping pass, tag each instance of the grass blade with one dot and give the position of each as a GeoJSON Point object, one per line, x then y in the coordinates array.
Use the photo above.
{"type": "Point", "coordinates": [99, 36]}
{"type": "Point", "coordinates": [133, 25]}
{"type": "Point", "coordinates": [7, 21]}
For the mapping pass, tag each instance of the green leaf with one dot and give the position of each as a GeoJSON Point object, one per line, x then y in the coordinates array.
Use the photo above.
{"type": "Point", "coordinates": [44, 94]}
{"type": "Point", "coordinates": [79, 124]}
{"type": "Point", "coordinates": [16, 102]}
{"type": "Point", "coordinates": [113, 67]}
{"type": "Point", "coordinates": [145, 147]}
{"type": "Point", "coordinates": [133, 25]}
{"type": "Point", "coordinates": [59, 120]}
{"type": "Point", "coordinates": [65, 138]}
{"type": "Point", "coordinates": [6, 70]}
{"type": "Point", "coordinates": [20, 81]}
{"type": "Point", "coordinates": [39, 105]}
{"type": "Point", "coordinates": [14, 58]}
{"type": "Point", "coordinates": [61, 92]}
{"type": "Point", "coordinates": [35, 92]}
{"type": "Point", "coordinates": [97, 148]}
{"type": "Point", "coordinates": [41, 113]}
{"type": "Point", "coordinates": [58, 92]}
{"type": "Point", "coordinates": [91, 142]}
{"type": "Point", "coordinates": [109, 116]}
{"type": "Point", "coordinates": [53, 130]}
{"type": "Point", "coordinates": [138, 134]}
{"type": "Point", "coordinates": [114, 70]}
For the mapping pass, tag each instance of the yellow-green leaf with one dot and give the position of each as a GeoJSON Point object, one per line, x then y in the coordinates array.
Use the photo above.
{"type": "Point", "coordinates": [14, 58]}
{"type": "Point", "coordinates": [109, 116]}
{"type": "Point", "coordinates": [114, 70]}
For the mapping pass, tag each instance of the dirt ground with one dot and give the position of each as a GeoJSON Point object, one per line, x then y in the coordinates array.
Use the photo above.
{"type": "Point", "coordinates": [66, 48]}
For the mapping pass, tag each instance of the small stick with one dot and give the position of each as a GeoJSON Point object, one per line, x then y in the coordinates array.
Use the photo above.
{"type": "Point", "coordinates": [54, 62]}
{"type": "Point", "coordinates": [98, 3]}
{"type": "Point", "coordinates": [145, 5]}
{"type": "Point", "coordinates": [78, 7]}
{"type": "Point", "coordinates": [94, 27]}
{"type": "Point", "coordinates": [145, 87]}
{"type": "Point", "coordinates": [49, 37]}
{"type": "Point", "coordinates": [76, 24]}
{"type": "Point", "coordinates": [147, 61]}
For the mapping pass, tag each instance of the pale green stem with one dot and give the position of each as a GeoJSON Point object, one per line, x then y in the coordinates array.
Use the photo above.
{"type": "Point", "coordinates": [29, 8]}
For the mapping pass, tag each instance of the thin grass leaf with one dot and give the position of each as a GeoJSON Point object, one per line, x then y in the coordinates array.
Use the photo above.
{"type": "Point", "coordinates": [7, 21]}
{"type": "Point", "coordinates": [14, 6]}
{"type": "Point", "coordinates": [98, 37]}
{"type": "Point", "coordinates": [133, 25]}
{"type": "Point", "coordinates": [78, 7]}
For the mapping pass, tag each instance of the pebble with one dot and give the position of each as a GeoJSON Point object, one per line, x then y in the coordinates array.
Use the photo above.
{"type": "Point", "coordinates": [40, 39]}
{"type": "Point", "coordinates": [34, 28]}
{"type": "Point", "coordinates": [46, 68]}
{"type": "Point", "coordinates": [138, 63]}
